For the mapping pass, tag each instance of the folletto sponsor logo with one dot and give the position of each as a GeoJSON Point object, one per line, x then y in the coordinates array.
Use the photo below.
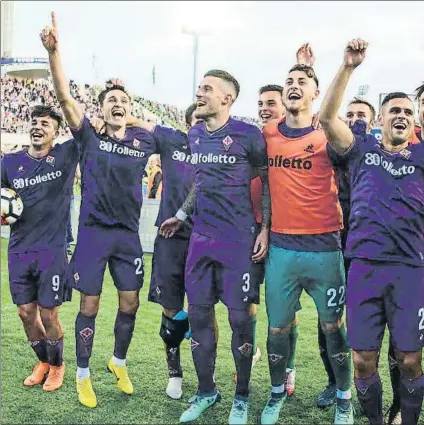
{"type": "Point", "coordinates": [112, 147]}
{"type": "Point", "coordinates": [26, 182]}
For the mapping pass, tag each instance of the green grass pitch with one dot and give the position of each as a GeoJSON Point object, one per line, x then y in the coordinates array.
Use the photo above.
{"type": "Point", "coordinates": [147, 368]}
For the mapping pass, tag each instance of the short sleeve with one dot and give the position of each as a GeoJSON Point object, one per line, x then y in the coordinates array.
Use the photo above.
{"type": "Point", "coordinates": [257, 150]}
{"type": "Point", "coordinates": [352, 152]}
{"type": "Point", "coordinates": [83, 133]}
{"type": "Point", "coordinates": [71, 150]}
{"type": "Point", "coordinates": [4, 179]}
{"type": "Point", "coordinates": [164, 136]}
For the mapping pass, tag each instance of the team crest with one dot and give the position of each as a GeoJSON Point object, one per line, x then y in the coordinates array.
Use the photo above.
{"type": "Point", "coordinates": [341, 358]}
{"type": "Point", "coordinates": [405, 153]}
{"type": "Point", "coordinates": [274, 358]}
{"type": "Point", "coordinates": [50, 160]}
{"type": "Point", "coordinates": [86, 333]}
{"type": "Point", "coordinates": [76, 277]}
{"type": "Point", "coordinates": [136, 143]}
{"type": "Point", "coordinates": [246, 349]}
{"type": "Point", "coordinates": [227, 142]}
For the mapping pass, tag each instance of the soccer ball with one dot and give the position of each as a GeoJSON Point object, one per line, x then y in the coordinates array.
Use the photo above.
{"type": "Point", "coordinates": [11, 206]}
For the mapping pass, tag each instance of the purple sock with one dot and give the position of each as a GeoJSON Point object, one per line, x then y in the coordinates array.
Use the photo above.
{"type": "Point", "coordinates": [394, 375]}
{"type": "Point", "coordinates": [370, 396]}
{"type": "Point", "coordinates": [55, 352]}
{"type": "Point", "coordinates": [40, 349]}
{"type": "Point", "coordinates": [411, 399]}
{"type": "Point", "coordinates": [242, 348]}
{"type": "Point", "coordinates": [203, 347]}
{"type": "Point", "coordinates": [124, 328]}
{"type": "Point", "coordinates": [85, 327]}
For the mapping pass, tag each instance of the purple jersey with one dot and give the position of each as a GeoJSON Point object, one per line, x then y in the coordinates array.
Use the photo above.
{"type": "Point", "coordinates": [387, 202]}
{"type": "Point", "coordinates": [177, 174]}
{"type": "Point", "coordinates": [224, 162]}
{"type": "Point", "coordinates": [112, 172]}
{"type": "Point", "coordinates": [45, 186]}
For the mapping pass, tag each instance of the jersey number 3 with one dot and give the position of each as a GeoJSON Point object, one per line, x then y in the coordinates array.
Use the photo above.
{"type": "Point", "coordinates": [246, 280]}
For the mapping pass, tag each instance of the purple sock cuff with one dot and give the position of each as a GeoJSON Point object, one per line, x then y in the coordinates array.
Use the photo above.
{"type": "Point", "coordinates": [413, 384]}
{"type": "Point", "coordinates": [54, 342]}
{"type": "Point", "coordinates": [366, 383]}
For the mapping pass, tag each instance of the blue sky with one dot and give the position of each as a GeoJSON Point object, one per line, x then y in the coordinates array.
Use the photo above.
{"type": "Point", "coordinates": [255, 41]}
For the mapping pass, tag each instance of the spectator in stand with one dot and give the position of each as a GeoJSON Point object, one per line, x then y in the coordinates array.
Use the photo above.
{"type": "Point", "coordinates": [154, 185]}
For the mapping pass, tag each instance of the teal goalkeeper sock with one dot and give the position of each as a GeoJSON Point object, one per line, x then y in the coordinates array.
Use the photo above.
{"type": "Point", "coordinates": [294, 334]}
{"type": "Point", "coordinates": [340, 357]}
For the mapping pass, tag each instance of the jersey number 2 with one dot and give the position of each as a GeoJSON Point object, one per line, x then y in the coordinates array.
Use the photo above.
{"type": "Point", "coordinates": [139, 263]}
{"type": "Point", "coordinates": [421, 314]}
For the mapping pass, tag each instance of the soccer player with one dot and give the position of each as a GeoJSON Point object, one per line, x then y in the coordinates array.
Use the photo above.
{"type": "Point", "coordinates": [305, 247]}
{"type": "Point", "coordinates": [360, 118]}
{"type": "Point", "coordinates": [223, 247]}
{"type": "Point", "coordinates": [167, 286]}
{"type": "Point", "coordinates": [270, 106]}
{"type": "Point", "coordinates": [112, 167]}
{"type": "Point", "coordinates": [385, 242]}
{"type": "Point", "coordinates": [42, 175]}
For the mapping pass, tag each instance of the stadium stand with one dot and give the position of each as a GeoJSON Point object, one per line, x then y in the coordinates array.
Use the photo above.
{"type": "Point", "coordinates": [18, 96]}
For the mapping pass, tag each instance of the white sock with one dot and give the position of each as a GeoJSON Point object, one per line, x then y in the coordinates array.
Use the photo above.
{"type": "Point", "coordinates": [118, 362]}
{"type": "Point", "coordinates": [344, 395]}
{"type": "Point", "coordinates": [173, 389]}
{"type": "Point", "coordinates": [278, 390]}
{"type": "Point", "coordinates": [83, 372]}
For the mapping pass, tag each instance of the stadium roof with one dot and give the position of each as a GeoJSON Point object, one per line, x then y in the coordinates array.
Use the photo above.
{"type": "Point", "coordinates": [34, 68]}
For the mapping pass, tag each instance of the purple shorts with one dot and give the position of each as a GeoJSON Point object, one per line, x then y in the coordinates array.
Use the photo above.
{"type": "Point", "coordinates": [97, 247]}
{"type": "Point", "coordinates": [221, 271]}
{"type": "Point", "coordinates": [381, 293]}
{"type": "Point", "coordinates": [38, 277]}
{"type": "Point", "coordinates": [167, 284]}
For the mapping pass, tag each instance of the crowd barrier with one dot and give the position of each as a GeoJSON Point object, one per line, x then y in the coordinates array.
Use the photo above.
{"type": "Point", "coordinates": [147, 229]}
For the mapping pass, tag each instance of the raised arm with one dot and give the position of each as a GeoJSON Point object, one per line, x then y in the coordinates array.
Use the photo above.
{"type": "Point", "coordinates": [339, 135]}
{"type": "Point", "coordinates": [70, 107]}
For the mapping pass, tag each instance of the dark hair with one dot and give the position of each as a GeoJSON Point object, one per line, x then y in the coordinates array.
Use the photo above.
{"type": "Point", "coordinates": [189, 113]}
{"type": "Point", "coordinates": [308, 70]}
{"type": "Point", "coordinates": [47, 111]}
{"type": "Point", "coordinates": [224, 75]}
{"type": "Point", "coordinates": [271, 87]}
{"type": "Point", "coordinates": [358, 101]}
{"type": "Point", "coordinates": [420, 91]}
{"type": "Point", "coordinates": [103, 94]}
{"type": "Point", "coordinates": [394, 95]}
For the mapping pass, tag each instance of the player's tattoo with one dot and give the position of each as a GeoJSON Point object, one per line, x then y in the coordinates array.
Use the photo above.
{"type": "Point", "coordinates": [190, 202]}
{"type": "Point", "coordinates": [266, 198]}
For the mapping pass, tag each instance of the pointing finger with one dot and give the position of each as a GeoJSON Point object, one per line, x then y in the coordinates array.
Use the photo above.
{"type": "Point", "coordinates": [54, 23]}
